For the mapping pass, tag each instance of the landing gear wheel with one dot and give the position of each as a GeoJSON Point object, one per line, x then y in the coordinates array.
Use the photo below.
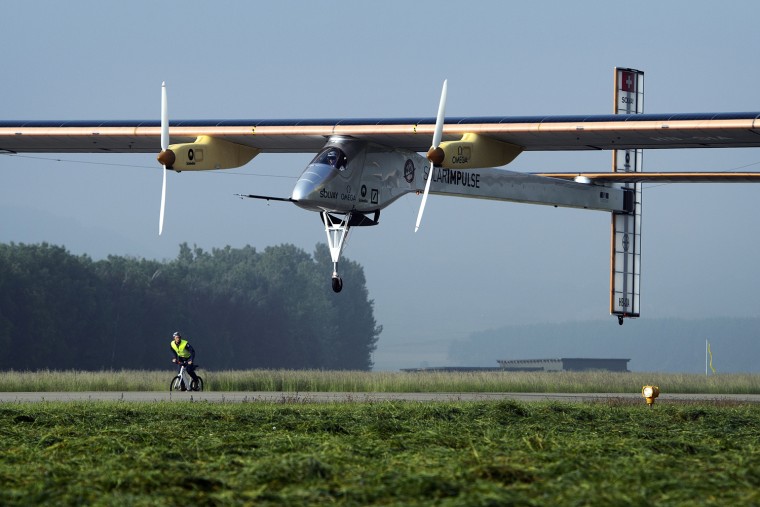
{"type": "Point", "coordinates": [337, 284]}
{"type": "Point", "coordinates": [620, 320]}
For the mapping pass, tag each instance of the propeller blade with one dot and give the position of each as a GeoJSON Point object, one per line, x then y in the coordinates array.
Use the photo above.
{"type": "Point", "coordinates": [164, 119]}
{"type": "Point", "coordinates": [424, 200]}
{"type": "Point", "coordinates": [435, 154]}
{"type": "Point", "coordinates": [164, 148]}
{"type": "Point", "coordinates": [439, 119]}
{"type": "Point", "coordinates": [163, 205]}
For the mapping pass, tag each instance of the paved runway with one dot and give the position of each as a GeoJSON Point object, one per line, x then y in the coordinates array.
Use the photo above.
{"type": "Point", "coordinates": [352, 397]}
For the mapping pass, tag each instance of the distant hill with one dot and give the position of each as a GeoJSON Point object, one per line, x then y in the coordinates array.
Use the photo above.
{"type": "Point", "coordinates": [666, 345]}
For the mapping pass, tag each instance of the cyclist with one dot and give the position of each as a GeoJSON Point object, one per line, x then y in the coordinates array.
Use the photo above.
{"type": "Point", "coordinates": [184, 353]}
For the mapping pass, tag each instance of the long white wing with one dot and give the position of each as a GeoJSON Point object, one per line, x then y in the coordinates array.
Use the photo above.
{"type": "Point", "coordinates": [547, 133]}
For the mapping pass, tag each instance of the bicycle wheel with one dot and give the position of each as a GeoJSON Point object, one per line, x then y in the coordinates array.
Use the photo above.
{"type": "Point", "coordinates": [197, 385]}
{"type": "Point", "coordinates": [175, 384]}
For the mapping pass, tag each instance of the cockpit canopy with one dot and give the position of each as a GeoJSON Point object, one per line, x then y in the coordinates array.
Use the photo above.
{"type": "Point", "coordinates": [332, 156]}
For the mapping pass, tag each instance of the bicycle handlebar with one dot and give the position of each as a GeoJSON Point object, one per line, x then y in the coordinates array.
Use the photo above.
{"type": "Point", "coordinates": [185, 363]}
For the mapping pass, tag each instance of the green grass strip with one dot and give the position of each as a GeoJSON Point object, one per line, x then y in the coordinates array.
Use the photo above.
{"type": "Point", "coordinates": [381, 453]}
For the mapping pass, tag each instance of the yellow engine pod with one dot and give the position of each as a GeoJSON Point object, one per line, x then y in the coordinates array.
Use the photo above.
{"type": "Point", "coordinates": [474, 151]}
{"type": "Point", "coordinates": [208, 153]}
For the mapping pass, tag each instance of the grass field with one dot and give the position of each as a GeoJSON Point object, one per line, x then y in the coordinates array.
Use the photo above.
{"type": "Point", "coordinates": [358, 381]}
{"type": "Point", "coordinates": [383, 453]}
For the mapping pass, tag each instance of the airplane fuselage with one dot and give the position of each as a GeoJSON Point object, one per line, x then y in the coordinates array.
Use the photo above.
{"type": "Point", "coordinates": [352, 176]}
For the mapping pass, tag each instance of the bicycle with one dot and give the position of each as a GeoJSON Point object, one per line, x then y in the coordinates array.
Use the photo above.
{"type": "Point", "coordinates": [182, 379]}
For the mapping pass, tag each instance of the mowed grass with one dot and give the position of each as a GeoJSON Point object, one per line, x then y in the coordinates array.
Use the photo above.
{"type": "Point", "coordinates": [379, 453]}
{"type": "Point", "coordinates": [361, 381]}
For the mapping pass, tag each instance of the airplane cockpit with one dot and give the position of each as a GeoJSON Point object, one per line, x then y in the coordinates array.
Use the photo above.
{"type": "Point", "coordinates": [329, 163]}
{"type": "Point", "coordinates": [332, 156]}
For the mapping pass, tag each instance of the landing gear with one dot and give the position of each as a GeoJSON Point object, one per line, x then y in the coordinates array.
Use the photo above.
{"type": "Point", "coordinates": [620, 320]}
{"type": "Point", "coordinates": [337, 235]}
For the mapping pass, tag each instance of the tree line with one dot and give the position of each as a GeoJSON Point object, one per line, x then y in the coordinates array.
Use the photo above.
{"type": "Point", "coordinates": [240, 308]}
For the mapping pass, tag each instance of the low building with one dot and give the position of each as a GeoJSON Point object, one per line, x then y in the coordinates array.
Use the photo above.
{"type": "Point", "coordinates": [564, 364]}
{"type": "Point", "coordinates": [467, 369]}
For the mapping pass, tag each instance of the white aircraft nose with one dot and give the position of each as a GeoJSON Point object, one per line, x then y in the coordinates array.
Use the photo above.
{"type": "Point", "coordinates": [303, 189]}
{"type": "Point", "coordinates": [311, 181]}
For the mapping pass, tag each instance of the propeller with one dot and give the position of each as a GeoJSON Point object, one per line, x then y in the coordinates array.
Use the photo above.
{"type": "Point", "coordinates": [166, 158]}
{"type": "Point", "coordinates": [435, 154]}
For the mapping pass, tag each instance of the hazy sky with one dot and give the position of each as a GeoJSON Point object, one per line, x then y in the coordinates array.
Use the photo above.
{"type": "Point", "coordinates": [474, 265]}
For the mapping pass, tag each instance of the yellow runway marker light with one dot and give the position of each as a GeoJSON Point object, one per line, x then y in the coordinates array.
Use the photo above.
{"type": "Point", "coordinates": [650, 393]}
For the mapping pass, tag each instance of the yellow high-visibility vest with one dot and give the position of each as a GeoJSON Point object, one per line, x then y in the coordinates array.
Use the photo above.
{"type": "Point", "coordinates": [180, 350]}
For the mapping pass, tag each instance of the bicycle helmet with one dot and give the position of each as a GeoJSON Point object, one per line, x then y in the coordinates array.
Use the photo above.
{"type": "Point", "coordinates": [176, 333]}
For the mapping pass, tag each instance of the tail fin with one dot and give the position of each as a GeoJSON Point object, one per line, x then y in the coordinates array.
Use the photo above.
{"type": "Point", "coordinates": [625, 244]}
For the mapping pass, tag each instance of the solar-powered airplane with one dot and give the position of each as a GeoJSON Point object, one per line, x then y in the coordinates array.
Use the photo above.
{"type": "Point", "coordinates": [363, 165]}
